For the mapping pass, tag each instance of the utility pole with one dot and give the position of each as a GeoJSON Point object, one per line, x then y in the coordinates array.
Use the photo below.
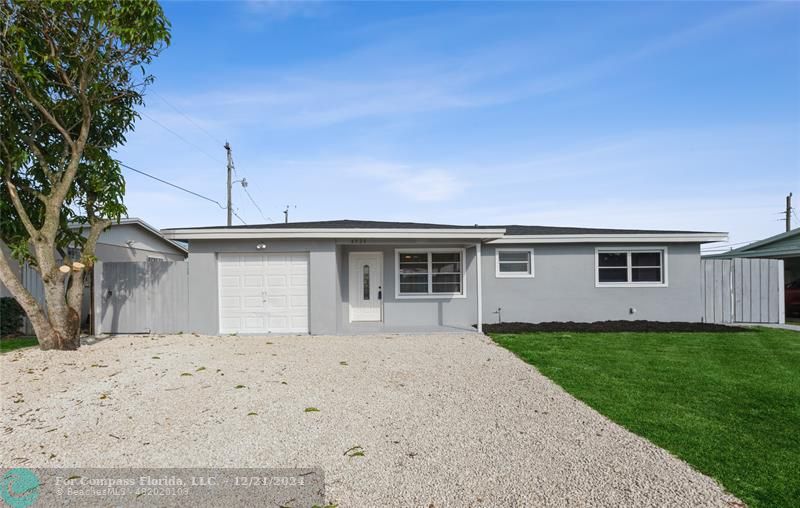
{"type": "Point", "coordinates": [286, 215]}
{"type": "Point", "coordinates": [230, 170]}
{"type": "Point", "coordinates": [789, 212]}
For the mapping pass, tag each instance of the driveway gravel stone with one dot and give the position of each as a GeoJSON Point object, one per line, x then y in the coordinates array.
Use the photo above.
{"type": "Point", "coordinates": [443, 420]}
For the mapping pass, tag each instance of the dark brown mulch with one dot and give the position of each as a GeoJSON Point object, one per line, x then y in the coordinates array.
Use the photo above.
{"type": "Point", "coordinates": [609, 326]}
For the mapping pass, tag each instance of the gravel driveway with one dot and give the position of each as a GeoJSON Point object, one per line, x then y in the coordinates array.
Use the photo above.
{"type": "Point", "coordinates": [443, 419]}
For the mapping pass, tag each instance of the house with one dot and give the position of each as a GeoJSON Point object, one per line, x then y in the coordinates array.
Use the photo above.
{"type": "Point", "coordinates": [350, 276]}
{"type": "Point", "coordinates": [784, 246]}
{"type": "Point", "coordinates": [130, 239]}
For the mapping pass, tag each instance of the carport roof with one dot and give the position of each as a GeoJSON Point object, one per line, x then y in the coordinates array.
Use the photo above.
{"type": "Point", "coordinates": [783, 245]}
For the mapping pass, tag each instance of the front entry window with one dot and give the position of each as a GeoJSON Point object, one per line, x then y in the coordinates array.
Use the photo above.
{"type": "Point", "coordinates": [430, 273]}
{"type": "Point", "coordinates": [366, 282]}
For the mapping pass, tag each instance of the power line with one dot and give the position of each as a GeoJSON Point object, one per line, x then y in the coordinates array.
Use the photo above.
{"type": "Point", "coordinates": [212, 137]}
{"type": "Point", "coordinates": [255, 204]}
{"type": "Point", "coordinates": [196, 147]}
{"type": "Point", "coordinates": [237, 216]}
{"type": "Point", "coordinates": [173, 185]}
{"type": "Point", "coordinates": [201, 128]}
{"type": "Point", "coordinates": [726, 246]}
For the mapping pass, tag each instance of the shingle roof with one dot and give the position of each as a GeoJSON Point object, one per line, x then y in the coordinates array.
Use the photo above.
{"type": "Point", "coordinates": [510, 229]}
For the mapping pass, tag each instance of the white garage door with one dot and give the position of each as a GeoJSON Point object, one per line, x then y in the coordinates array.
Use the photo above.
{"type": "Point", "coordinates": [260, 293]}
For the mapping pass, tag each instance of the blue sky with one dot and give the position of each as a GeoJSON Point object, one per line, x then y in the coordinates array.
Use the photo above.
{"type": "Point", "coordinates": [656, 115]}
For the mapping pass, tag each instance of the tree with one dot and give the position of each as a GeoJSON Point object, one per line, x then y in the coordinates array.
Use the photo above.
{"type": "Point", "coordinates": [71, 77]}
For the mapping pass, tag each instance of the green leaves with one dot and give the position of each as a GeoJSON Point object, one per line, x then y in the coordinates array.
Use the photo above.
{"type": "Point", "coordinates": [73, 75]}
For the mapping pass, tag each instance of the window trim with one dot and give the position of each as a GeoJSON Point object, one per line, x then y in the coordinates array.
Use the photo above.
{"type": "Point", "coordinates": [430, 295]}
{"type": "Point", "coordinates": [513, 275]}
{"type": "Point", "coordinates": [628, 250]}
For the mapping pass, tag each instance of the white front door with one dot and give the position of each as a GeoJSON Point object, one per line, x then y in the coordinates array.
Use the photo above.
{"type": "Point", "coordinates": [366, 286]}
{"type": "Point", "coordinates": [263, 293]}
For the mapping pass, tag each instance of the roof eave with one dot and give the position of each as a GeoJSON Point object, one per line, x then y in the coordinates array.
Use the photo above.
{"type": "Point", "coordinates": [616, 238]}
{"type": "Point", "coordinates": [135, 221]}
{"type": "Point", "coordinates": [267, 233]}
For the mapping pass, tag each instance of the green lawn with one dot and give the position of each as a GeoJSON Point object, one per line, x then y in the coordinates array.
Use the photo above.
{"type": "Point", "coordinates": [727, 403]}
{"type": "Point", "coordinates": [10, 344]}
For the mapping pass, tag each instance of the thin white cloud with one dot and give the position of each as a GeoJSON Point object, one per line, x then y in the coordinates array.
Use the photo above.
{"type": "Point", "coordinates": [410, 182]}
{"type": "Point", "coordinates": [382, 80]}
{"type": "Point", "coordinates": [312, 101]}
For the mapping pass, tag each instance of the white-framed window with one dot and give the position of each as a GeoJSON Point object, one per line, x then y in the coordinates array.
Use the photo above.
{"type": "Point", "coordinates": [429, 273]}
{"type": "Point", "coordinates": [631, 266]}
{"type": "Point", "coordinates": [513, 263]}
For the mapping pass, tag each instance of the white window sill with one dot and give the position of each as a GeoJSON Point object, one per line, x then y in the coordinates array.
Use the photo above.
{"type": "Point", "coordinates": [507, 275]}
{"type": "Point", "coordinates": [630, 285]}
{"type": "Point", "coordinates": [437, 296]}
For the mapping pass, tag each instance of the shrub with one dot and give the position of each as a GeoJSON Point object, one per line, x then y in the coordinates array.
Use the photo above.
{"type": "Point", "coordinates": [11, 315]}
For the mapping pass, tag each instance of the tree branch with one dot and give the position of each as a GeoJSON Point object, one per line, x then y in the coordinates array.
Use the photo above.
{"type": "Point", "coordinates": [75, 287]}
{"type": "Point", "coordinates": [19, 207]}
{"type": "Point", "coordinates": [48, 116]}
{"type": "Point", "coordinates": [15, 287]}
{"type": "Point", "coordinates": [42, 162]}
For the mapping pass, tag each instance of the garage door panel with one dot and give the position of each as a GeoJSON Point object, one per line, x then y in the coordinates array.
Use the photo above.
{"type": "Point", "coordinates": [230, 302]}
{"type": "Point", "coordinates": [263, 293]}
{"type": "Point", "coordinates": [230, 324]}
{"type": "Point", "coordinates": [230, 281]}
{"type": "Point", "coordinates": [276, 261]}
{"type": "Point", "coordinates": [276, 302]}
{"type": "Point", "coordinates": [253, 281]}
{"type": "Point", "coordinates": [254, 322]}
{"type": "Point", "coordinates": [278, 322]}
{"type": "Point", "coordinates": [276, 281]}
{"type": "Point", "coordinates": [253, 302]}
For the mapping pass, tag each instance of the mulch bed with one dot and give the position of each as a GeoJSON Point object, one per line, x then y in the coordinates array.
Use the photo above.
{"type": "Point", "coordinates": [609, 326]}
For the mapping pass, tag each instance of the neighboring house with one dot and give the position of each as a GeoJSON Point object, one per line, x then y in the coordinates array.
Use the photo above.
{"type": "Point", "coordinates": [135, 240]}
{"type": "Point", "coordinates": [131, 239]}
{"type": "Point", "coordinates": [784, 246]}
{"type": "Point", "coordinates": [348, 276]}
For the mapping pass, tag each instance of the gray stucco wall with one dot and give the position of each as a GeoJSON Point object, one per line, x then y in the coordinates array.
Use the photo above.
{"type": "Point", "coordinates": [204, 291]}
{"type": "Point", "coordinates": [563, 288]}
{"type": "Point", "coordinates": [422, 312]}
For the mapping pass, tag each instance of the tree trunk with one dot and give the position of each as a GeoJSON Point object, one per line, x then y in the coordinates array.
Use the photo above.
{"type": "Point", "coordinates": [59, 327]}
{"type": "Point", "coordinates": [64, 320]}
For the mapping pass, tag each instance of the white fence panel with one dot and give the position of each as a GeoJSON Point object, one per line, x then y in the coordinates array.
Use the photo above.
{"type": "Point", "coordinates": [742, 290]}
{"type": "Point", "coordinates": [141, 297]}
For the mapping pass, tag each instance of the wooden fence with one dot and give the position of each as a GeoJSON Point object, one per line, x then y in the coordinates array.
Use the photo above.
{"type": "Point", "coordinates": [141, 297]}
{"type": "Point", "coordinates": [743, 290]}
